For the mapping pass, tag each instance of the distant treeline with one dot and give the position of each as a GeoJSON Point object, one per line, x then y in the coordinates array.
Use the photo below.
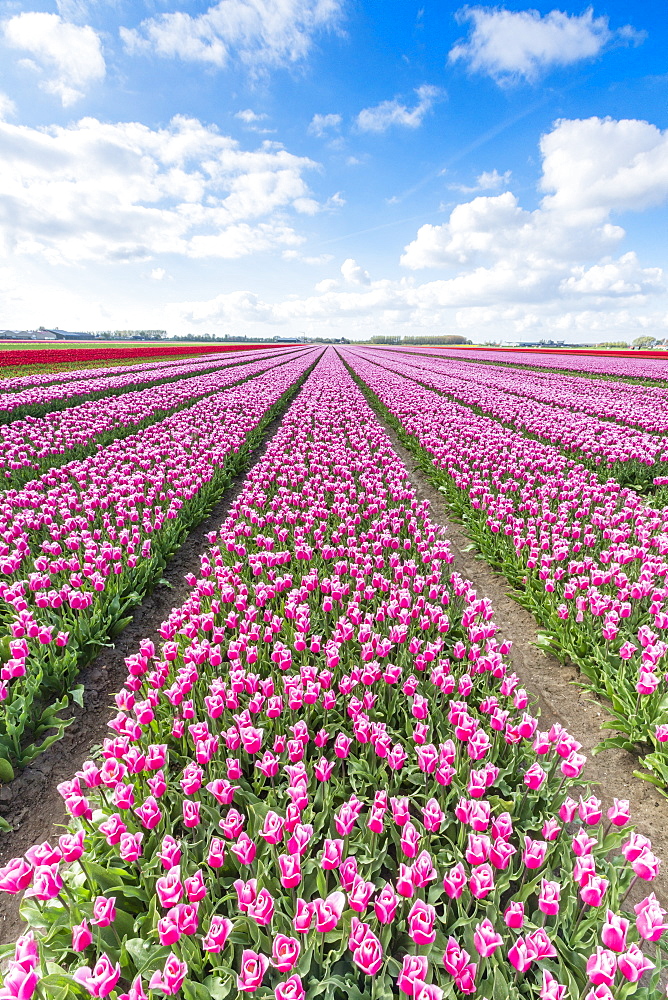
{"type": "Point", "coordinates": [437, 339]}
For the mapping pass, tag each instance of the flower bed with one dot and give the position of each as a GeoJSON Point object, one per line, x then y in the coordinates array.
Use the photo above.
{"type": "Point", "coordinates": [82, 543]}
{"type": "Point", "coordinates": [588, 558]}
{"type": "Point", "coordinates": [610, 364]}
{"type": "Point", "coordinates": [36, 443]}
{"type": "Point", "coordinates": [43, 376]}
{"type": "Point", "coordinates": [325, 781]}
{"type": "Point", "coordinates": [49, 355]}
{"type": "Point", "coordinates": [558, 415]}
{"type": "Point", "coordinates": [37, 400]}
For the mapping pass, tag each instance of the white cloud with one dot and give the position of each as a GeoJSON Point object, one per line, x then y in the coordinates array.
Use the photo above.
{"type": "Point", "coordinates": [354, 274]}
{"type": "Point", "coordinates": [120, 192]}
{"type": "Point", "coordinates": [510, 45]}
{"type": "Point", "coordinates": [320, 125]}
{"type": "Point", "coordinates": [488, 180]}
{"type": "Point", "coordinates": [496, 228]}
{"type": "Point", "coordinates": [595, 166]}
{"type": "Point", "coordinates": [7, 107]}
{"type": "Point", "coordinates": [508, 270]}
{"type": "Point", "coordinates": [623, 277]}
{"type": "Point", "coordinates": [158, 273]}
{"type": "Point", "coordinates": [388, 113]}
{"type": "Point", "coordinates": [314, 261]}
{"type": "Point", "coordinates": [592, 168]}
{"type": "Point", "coordinates": [250, 117]}
{"type": "Point", "coordinates": [260, 33]}
{"type": "Point", "coordinates": [68, 58]}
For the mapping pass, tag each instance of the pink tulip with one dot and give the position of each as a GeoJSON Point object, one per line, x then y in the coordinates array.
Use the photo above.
{"type": "Point", "coordinates": [220, 929]}
{"type": "Point", "coordinates": [486, 939]}
{"type": "Point", "coordinates": [614, 931]}
{"type": "Point", "coordinates": [619, 812]}
{"type": "Point", "coordinates": [514, 915]}
{"type": "Point", "coordinates": [593, 890]}
{"type": "Point", "coordinates": [332, 852]}
{"type": "Point", "coordinates": [548, 900]}
{"type": "Point", "coordinates": [649, 918]}
{"type": "Point", "coordinates": [15, 876]}
{"type": "Point", "coordinates": [101, 980]}
{"type": "Point", "coordinates": [368, 956]}
{"type": "Point", "coordinates": [420, 922]}
{"type": "Point", "coordinates": [633, 964]}
{"type": "Point", "coordinates": [304, 916]}
{"type": "Point", "coordinates": [261, 910]}
{"type": "Point", "coordinates": [328, 911]}
{"type": "Point", "coordinates": [290, 870]}
{"type": "Point", "coordinates": [551, 988]}
{"type": "Point", "coordinates": [253, 968]}
{"type": "Point", "coordinates": [413, 970]}
{"type": "Point", "coordinates": [170, 979]}
{"type": "Point", "coordinates": [104, 911]}
{"type": "Point", "coordinates": [285, 953]}
{"type": "Point", "coordinates": [602, 966]}
{"type": "Point", "coordinates": [291, 989]}
{"type": "Point", "coordinates": [386, 904]}
{"type": "Point", "coordinates": [19, 983]}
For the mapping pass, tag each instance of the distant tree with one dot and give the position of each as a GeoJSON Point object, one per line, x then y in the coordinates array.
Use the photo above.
{"type": "Point", "coordinates": [644, 343]}
{"type": "Point", "coordinates": [441, 338]}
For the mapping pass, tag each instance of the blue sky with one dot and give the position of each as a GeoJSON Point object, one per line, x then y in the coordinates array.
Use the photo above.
{"type": "Point", "coordinates": [336, 167]}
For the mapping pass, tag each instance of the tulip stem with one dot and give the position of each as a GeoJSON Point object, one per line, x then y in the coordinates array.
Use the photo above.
{"type": "Point", "coordinates": [632, 883]}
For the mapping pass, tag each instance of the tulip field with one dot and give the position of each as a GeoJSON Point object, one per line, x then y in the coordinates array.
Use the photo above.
{"type": "Point", "coordinates": [322, 776]}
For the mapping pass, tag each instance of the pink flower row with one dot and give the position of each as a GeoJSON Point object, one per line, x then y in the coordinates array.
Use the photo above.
{"type": "Point", "coordinates": [327, 772]}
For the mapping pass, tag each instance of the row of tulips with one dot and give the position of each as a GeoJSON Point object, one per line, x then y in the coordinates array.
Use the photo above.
{"type": "Point", "coordinates": [82, 543]}
{"type": "Point", "coordinates": [609, 365]}
{"type": "Point", "coordinates": [629, 403]}
{"type": "Point", "coordinates": [18, 376]}
{"type": "Point", "coordinates": [589, 559]}
{"type": "Point", "coordinates": [44, 374]}
{"type": "Point", "coordinates": [49, 355]}
{"type": "Point", "coordinates": [325, 779]}
{"type": "Point", "coordinates": [561, 416]}
{"type": "Point", "coordinates": [40, 399]}
{"type": "Point", "coordinates": [37, 443]}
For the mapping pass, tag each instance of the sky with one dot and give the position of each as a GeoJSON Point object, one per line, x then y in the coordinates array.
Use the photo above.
{"type": "Point", "coordinates": [337, 168]}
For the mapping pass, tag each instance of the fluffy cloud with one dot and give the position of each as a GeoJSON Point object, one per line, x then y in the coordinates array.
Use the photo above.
{"type": "Point", "coordinates": [389, 113]}
{"type": "Point", "coordinates": [479, 304]}
{"type": "Point", "coordinates": [7, 107]}
{"type": "Point", "coordinates": [509, 45]}
{"type": "Point", "coordinates": [488, 180]}
{"type": "Point", "coordinates": [95, 191]}
{"type": "Point", "coordinates": [497, 229]}
{"type": "Point", "coordinates": [509, 272]}
{"type": "Point", "coordinates": [321, 125]}
{"type": "Point", "coordinates": [260, 33]}
{"type": "Point", "coordinates": [623, 277]}
{"type": "Point", "coordinates": [67, 57]}
{"type": "Point", "coordinates": [595, 166]}
{"type": "Point", "coordinates": [592, 168]}
{"type": "Point", "coordinates": [249, 117]}
{"type": "Point", "coordinates": [354, 274]}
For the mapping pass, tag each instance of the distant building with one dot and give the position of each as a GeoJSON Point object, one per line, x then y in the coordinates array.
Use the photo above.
{"type": "Point", "coordinates": [545, 343]}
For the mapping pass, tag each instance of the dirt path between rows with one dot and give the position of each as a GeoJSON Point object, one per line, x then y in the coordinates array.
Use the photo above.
{"type": "Point", "coordinates": [32, 803]}
{"type": "Point", "coordinates": [610, 773]}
